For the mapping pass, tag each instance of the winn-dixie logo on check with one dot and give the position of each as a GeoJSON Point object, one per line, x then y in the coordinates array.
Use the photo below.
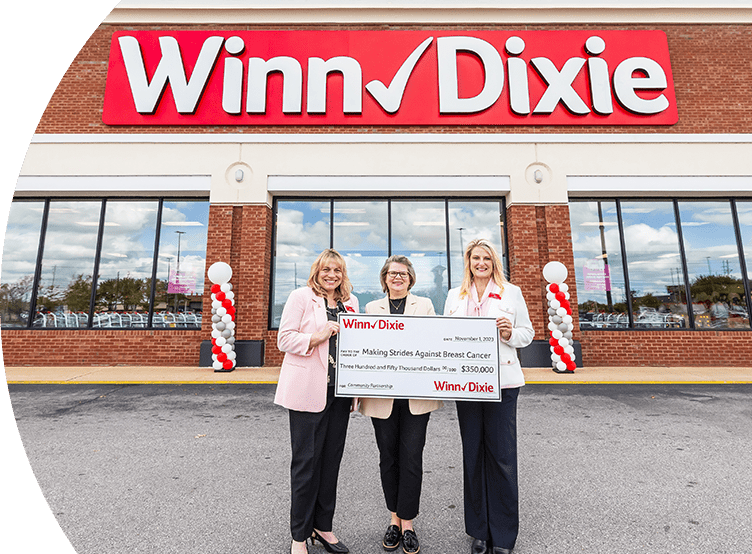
{"type": "Point", "coordinates": [390, 78]}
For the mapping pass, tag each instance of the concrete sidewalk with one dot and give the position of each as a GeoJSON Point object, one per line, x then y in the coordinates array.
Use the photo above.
{"type": "Point", "coordinates": [248, 375]}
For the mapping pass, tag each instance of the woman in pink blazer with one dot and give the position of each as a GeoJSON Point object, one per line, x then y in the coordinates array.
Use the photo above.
{"type": "Point", "coordinates": [318, 420]}
{"type": "Point", "coordinates": [400, 424]}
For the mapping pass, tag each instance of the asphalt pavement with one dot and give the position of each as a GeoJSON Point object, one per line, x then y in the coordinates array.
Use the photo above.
{"type": "Point", "coordinates": [204, 468]}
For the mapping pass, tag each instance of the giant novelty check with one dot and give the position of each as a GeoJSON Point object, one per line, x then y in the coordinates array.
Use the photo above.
{"type": "Point", "coordinates": [408, 356]}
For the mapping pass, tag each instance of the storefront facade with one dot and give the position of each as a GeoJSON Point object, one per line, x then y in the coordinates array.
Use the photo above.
{"type": "Point", "coordinates": [626, 158]}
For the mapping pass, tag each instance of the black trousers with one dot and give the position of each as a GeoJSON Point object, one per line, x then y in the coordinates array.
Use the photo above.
{"type": "Point", "coordinates": [489, 459]}
{"type": "Point", "coordinates": [318, 441]}
{"type": "Point", "coordinates": [401, 438]}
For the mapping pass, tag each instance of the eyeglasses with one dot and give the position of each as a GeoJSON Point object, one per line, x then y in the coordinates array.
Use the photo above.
{"type": "Point", "coordinates": [394, 274]}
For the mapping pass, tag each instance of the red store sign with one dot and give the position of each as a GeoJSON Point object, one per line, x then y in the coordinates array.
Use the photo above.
{"type": "Point", "coordinates": [389, 78]}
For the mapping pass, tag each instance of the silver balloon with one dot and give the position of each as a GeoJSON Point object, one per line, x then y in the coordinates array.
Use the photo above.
{"type": "Point", "coordinates": [551, 312]}
{"type": "Point", "coordinates": [227, 333]}
{"type": "Point", "coordinates": [556, 319]}
{"type": "Point", "coordinates": [563, 327]}
{"type": "Point", "coordinates": [220, 326]}
{"type": "Point", "coordinates": [216, 318]}
{"type": "Point", "coordinates": [231, 340]}
{"type": "Point", "coordinates": [568, 335]}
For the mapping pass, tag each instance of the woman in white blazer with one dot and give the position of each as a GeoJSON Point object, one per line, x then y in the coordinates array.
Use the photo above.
{"type": "Point", "coordinates": [489, 429]}
{"type": "Point", "coordinates": [400, 424]}
{"type": "Point", "coordinates": [318, 420]}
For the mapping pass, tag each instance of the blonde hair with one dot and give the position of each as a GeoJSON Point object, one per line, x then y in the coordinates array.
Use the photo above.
{"type": "Point", "coordinates": [497, 275]}
{"type": "Point", "coordinates": [342, 292]}
{"type": "Point", "coordinates": [397, 259]}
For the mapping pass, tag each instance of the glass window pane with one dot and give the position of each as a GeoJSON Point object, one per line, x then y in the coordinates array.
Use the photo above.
{"type": "Point", "coordinates": [654, 264]}
{"type": "Point", "coordinates": [302, 233]}
{"type": "Point", "coordinates": [361, 236]}
{"type": "Point", "coordinates": [599, 275]}
{"type": "Point", "coordinates": [469, 221]}
{"type": "Point", "coordinates": [744, 212]}
{"type": "Point", "coordinates": [715, 278]}
{"type": "Point", "coordinates": [19, 262]}
{"type": "Point", "coordinates": [419, 232]}
{"type": "Point", "coordinates": [182, 264]}
{"type": "Point", "coordinates": [125, 266]}
{"type": "Point", "coordinates": [64, 292]}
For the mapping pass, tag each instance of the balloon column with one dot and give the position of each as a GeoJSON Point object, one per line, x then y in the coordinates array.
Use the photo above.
{"type": "Point", "coordinates": [223, 317]}
{"type": "Point", "coordinates": [559, 318]}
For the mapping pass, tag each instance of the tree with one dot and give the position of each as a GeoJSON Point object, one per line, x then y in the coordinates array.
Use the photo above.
{"type": "Point", "coordinates": [78, 295]}
{"type": "Point", "coordinates": [128, 291]}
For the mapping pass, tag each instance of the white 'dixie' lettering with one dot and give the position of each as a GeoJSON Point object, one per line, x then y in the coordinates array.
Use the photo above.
{"type": "Point", "coordinates": [559, 86]}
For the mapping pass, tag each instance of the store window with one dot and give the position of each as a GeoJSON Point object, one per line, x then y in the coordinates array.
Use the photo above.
{"type": "Point", "coordinates": [430, 232]}
{"type": "Point", "coordinates": [672, 251]}
{"type": "Point", "coordinates": [114, 247]}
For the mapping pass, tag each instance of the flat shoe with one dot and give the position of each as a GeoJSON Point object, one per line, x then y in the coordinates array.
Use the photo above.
{"type": "Point", "coordinates": [392, 538]}
{"type": "Point", "coordinates": [479, 547]}
{"type": "Point", "coordinates": [410, 543]}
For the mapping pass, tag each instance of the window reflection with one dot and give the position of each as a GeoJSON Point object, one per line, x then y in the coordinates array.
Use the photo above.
{"type": "Point", "coordinates": [717, 288]}
{"type": "Point", "coordinates": [469, 221]}
{"type": "Point", "coordinates": [654, 264]}
{"type": "Point", "coordinates": [126, 261]}
{"type": "Point", "coordinates": [599, 274]}
{"type": "Point", "coordinates": [64, 291]}
{"type": "Point", "coordinates": [419, 232]}
{"type": "Point", "coordinates": [302, 233]}
{"type": "Point", "coordinates": [181, 265]}
{"type": "Point", "coordinates": [361, 236]}
{"type": "Point", "coordinates": [19, 262]}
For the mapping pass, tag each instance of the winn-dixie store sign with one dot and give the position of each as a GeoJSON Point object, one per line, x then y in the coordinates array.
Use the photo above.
{"type": "Point", "coordinates": [389, 78]}
{"type": "Point", "coordinates": [418, 357]}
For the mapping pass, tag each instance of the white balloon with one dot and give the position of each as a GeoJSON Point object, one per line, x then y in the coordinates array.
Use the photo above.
{"type": "Point", "coordinates": [221, 311]}
{"type": "Point", "coordinates": [232, 355]}
{"type": "Point", "coordinates": [216, 304]}
{"type": "Point", "coordinates": [563, 287]}
{"type": "Point", "coordinates": [226, 348]}
{"type": "Point", "coordinates": [566, 318]}
{"type": "Point", "coordinates": [566, 296]}
{"type": "Point", "coordinates": [552, 326]}
{"type": "Point", "coordinates": [216, 333]}
{"type": "Point", "coordinates": [226, 318]}
{"type": "Point", "coordinates": [219, 272]}
{"type": "Point", "coordinates": [225, 287]}
{"type": "Point", "coordinates": [569, 349]}
{"type": "Point", "coordinates": [557, 334]}
{"type": "Point", "coordinates": [561, 366]}
{"type": "Point", "coordinates": [555, 304]}
{"type": "Point", "coordinates": [550, 296]}
{"type": "Point", "coordinates": [555, 358]}
{"type": "Point", "coordinates": [562, 342]}
{"type": "Point", "coordinates": [213, 297]}
{"type": "Point", "coordinates": [221, 341]}
{"type": "Point", "coordinates": [561, 312]}
{"type": "Point", "coordinates": [230, 295]}
{"type": "Point", "coordinates": [230, 324]}
{"type": "Point", "coordinates": [217, 365]}
{"type": "Point", "coordinates": [555, 272]}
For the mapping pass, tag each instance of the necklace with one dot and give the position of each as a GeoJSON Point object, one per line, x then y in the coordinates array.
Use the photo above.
{"type": "Point", "coordinates": [399, 304]}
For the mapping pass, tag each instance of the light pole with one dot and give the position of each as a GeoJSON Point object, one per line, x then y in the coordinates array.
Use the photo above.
{"type": "Point", "coordinates": [177, 268]}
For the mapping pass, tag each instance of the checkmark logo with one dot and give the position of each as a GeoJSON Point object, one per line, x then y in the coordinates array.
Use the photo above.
{"type": "Point", "coordinates": [390, 98]}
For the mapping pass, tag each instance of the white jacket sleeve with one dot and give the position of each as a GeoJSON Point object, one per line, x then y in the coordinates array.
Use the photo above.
{"type": "Point", "coordinates": [522, 327]}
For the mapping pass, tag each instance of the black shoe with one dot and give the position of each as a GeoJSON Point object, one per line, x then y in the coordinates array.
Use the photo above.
{"type": "Point", "coordinates": [479, 547]}
{"type": "Point", "coordinates": [392, 538]}
{"type": "Point", "coordinates": [337, 547]}
{"type": "Point", "coordinates": [410, 542]}
{"type": "Point", "coordinates": [500, 550]}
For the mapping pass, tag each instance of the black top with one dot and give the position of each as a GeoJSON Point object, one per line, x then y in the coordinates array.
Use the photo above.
{"type": "Point", "coordinates": [397, 306]}
{"type": "Point", "coordinates": [331, 315]}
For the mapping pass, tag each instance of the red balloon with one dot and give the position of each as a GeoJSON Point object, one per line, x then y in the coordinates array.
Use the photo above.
{"type": "Point", "coordinates": [565, 358]}
{"type": "Point", "coordinates": [553, 287]}
{"type": "Point", "coordinates": [553, 342]}
{"type": "Point", "coordinates": [216, 349]}
{"type": "Point", "coordinates": [231, 311]}
{"type": "Point", "coordinates": [227, 364]}
{"type": "Point", "coordinates": [571, 366]}
{"type": "Point", "coordinates": [215, 288]}
{"type": "Point", "coordinates": [220, 295]}
{"type": "Point", "coordinates": [226, 303]}
{"type": "Point", "coordinates": [221, 357]}
{"type": "Point", "coordinates": [558, 349]}
{"type": "Point", "coordinates": [560, 296]}
{"type": "Point", "coordinates": [214, 341]}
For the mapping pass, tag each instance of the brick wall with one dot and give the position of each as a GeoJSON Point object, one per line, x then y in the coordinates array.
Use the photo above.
{"type": "Point", "coordinates": [710, 65]}
{"type": "Point", "coordinates": [666, 348]}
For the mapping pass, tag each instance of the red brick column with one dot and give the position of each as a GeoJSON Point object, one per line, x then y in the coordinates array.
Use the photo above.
{"type": "Point", "coordinates": [538, 235]}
